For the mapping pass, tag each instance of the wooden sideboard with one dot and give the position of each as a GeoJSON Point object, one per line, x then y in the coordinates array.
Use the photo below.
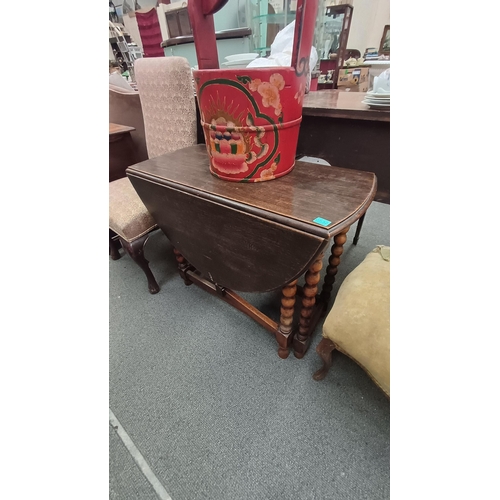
{"type": "Point", "coordinates": [337, 127]}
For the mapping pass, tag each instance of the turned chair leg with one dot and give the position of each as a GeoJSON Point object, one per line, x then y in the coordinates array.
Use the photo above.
{"type": "Point", "coordinates": [114, 247]}
{"type": "Point", "coordinates": [358, 229]}
{"type": "Point", "coordinates": [325, 350]}
{"type": "Point", "coordinates": [183, 266]}
{"type": "Point", "coordinates": [136, 250]}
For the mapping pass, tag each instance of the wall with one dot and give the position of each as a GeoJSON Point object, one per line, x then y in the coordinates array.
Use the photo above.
{"type": "Point", "coordinates": [161, 11]}
{"type": "Point", "coordinates": [227, 17]}
{"type": "Point", "coordinates": [132, 29]}
{"type": "Point", "coordinates": [368, 20]}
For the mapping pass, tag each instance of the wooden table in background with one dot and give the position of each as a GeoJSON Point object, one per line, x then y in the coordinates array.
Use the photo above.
{"type": "Point", "coordinates": [256, 237]}
{"type": "Point", "coordinates": [337, 127]}
{"type": "Point", "coordinates": [121, 150]}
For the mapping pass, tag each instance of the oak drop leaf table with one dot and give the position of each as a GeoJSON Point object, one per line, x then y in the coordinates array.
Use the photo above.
{"type": "Point", "coordinates": [256, 237]}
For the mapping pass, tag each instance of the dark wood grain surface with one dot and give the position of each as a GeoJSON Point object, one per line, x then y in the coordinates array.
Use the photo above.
{"type": "Point", "coordinates": [337, 127]}
{"type": "Point", "coordinates": [348, 143]}
{"type": "Point", "coordinates": [122, 150]}
{"type": "Point", "coordinates": [341, 104]}
{"type": "Point", "coordinates": [310, 191]}
{"type": "Point", "coordinates": [231, 247]}
{"type": "Point", "coordinates": [115, 129]}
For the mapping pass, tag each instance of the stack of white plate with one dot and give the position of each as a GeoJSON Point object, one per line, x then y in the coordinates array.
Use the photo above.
{"type": "Point", "coordinates": [378, 100]}
{"type": "Point", "coordinates": [239, 60]}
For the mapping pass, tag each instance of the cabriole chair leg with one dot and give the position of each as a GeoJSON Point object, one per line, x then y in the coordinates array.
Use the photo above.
{"type": "Point", "coordinates": [136, 250]}
{"type": "Point", "coordinates": [325, 351]}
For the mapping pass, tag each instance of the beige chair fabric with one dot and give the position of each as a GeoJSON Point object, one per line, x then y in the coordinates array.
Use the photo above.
{"type": "Point", "coordinates": [128, 217]}
{"type": "Point", "coordinates": [168, 103]}
{"type": "Point", "coordinates": [359, 321]}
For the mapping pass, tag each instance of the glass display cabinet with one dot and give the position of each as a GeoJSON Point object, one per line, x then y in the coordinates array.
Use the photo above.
{"type": "Point", "coordinates": [266, 18]}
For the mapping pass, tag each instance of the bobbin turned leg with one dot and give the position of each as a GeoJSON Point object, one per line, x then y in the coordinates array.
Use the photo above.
{"type": "Point", "coordinates": [331, 270]}
{"type": "Point", "coordinates": [303, 337]}
{"type": "Point", "coordinates": [183, 265]}
{"type": "Point", "coordinates": [284, 333]}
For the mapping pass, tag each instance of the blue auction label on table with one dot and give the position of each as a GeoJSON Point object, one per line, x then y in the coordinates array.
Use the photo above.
{"type": "Point", "coordinates": [323, 222]}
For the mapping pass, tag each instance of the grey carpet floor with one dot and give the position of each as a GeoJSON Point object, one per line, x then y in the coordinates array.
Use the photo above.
{"type": "Point", "coordinates": [199, 388]}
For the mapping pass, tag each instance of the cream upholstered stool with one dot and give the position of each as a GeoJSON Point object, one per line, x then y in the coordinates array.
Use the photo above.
{"type": "Point", "coordinates": [358, 324]}
{"type": "Point", "coordinates": [131, 221]}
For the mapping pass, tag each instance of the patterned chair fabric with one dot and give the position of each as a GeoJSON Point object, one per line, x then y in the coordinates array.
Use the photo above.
{"type": "Point", "coordinates": [128, 217]}
{"type": "Point", "coordinates": [166, 88]}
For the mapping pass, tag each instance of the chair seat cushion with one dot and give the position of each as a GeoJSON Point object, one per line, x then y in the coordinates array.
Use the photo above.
{"type": "Point", "coordinates": [128, 217]}
{"type": "Point", "coordinates": [358, 323]}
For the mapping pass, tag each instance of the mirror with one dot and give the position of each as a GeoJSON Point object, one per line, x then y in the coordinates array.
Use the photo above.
{"type": "Point", "coordinates": [385, 42]}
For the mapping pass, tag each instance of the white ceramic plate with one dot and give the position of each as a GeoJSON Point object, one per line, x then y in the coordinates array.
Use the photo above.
{"type": "Point", "coordinates": [235, 64]}
{"type": "Point", "coordinates": [378, 94]}
{"type": "Point", "coordinates": [377, 62]}
{"type": "Point", "coordinates": [241, 57]}
{"type": "Point", "coordinates": [376, 105]}
{"type": "Point", "coordinates": [377, 101]}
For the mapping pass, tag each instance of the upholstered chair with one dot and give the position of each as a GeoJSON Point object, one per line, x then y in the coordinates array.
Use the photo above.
{"type": "Point", "coordinates": [358, 324]}
{"type": "Point", "coordinates": [125, 108]}
{"type": "Point", "coordinates": [166, 92]}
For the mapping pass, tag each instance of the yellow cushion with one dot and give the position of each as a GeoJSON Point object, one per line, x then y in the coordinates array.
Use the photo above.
{"type": "Point", "coordinates": [358, 323]}
{"type": "Point", "coordinates": [128, 217]}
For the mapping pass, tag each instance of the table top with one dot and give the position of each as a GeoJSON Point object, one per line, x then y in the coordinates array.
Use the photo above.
{"type": "Point", "coordinates": [336, 103]}
{"type": "Point", "coordinates": [314, 198]}
{"type": "Point", "coordinates": [117, 129]}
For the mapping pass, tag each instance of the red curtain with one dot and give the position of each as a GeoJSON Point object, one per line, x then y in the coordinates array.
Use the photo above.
{"type": "Point", "coordinates": [149, 29]}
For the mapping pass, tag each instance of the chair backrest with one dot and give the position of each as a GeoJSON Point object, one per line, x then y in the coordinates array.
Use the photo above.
{"type": "Point", "coordinates": [166, 88]}
{"type": "Point", "coordinates": [125, 109]}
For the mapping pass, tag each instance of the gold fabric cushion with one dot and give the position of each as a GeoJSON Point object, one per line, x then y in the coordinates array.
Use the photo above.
{"type": "Point", "coordinates": [359, 321]}
{"type": "Point", "coordinates": [128, 217]}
